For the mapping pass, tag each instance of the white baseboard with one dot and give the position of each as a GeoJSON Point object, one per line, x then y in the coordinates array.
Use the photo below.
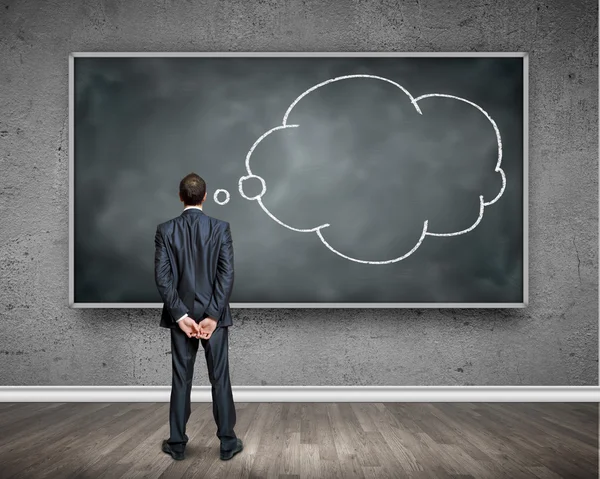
{"type": "Point", "coordinates": [307, 393]}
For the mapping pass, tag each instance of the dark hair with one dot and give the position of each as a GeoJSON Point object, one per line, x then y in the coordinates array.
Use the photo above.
{"type": "Point", "coordinates": [192, 189]}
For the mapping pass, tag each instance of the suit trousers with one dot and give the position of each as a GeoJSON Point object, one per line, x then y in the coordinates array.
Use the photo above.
{"type": "Point", "coordinates": [216, 352]}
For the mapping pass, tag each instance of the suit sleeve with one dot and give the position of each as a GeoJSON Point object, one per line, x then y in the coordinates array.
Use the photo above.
{"type": "Point", "coordinates": [224, 281]}
{"type": "Point", "coordinates": [163, 275]}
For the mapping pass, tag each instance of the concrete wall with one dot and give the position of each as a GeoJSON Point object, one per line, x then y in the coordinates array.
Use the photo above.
{"type": "Point", "coordinates": [552, 342]}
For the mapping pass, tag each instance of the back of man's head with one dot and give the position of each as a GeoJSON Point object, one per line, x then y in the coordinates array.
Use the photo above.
{"type": "Point", "coordinates": [192, 190]}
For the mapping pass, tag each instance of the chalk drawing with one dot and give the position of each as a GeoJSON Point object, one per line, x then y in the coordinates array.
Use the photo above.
{"type": "Point", "coordinates": [317, 229]}
{"type": "Point", "coordinates": [223, 202]}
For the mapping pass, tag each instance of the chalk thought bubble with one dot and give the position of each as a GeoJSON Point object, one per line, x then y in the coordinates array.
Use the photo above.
{"type": "Point", "coordinates": [320, 228]}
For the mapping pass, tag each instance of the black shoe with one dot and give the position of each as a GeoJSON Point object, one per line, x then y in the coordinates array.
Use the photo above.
{"type": "Point", "coordinates": [226, 455]}
{"type": "Point", "coordinates": [178, 456]}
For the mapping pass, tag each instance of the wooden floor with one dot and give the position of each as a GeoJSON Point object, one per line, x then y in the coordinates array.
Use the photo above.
{"type": "Point", "coordinates": [316, 440]}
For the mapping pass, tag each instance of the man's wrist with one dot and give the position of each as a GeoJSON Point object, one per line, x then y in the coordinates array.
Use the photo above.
{"type": "Point", "coordinates": [183, 317]}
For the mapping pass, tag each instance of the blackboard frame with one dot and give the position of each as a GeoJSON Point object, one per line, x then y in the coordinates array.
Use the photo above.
{"type": "Point", "coordinates": [525, 59]}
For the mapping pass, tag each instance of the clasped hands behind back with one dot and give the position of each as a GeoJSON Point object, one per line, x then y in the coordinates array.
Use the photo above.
{"type": "Point", "coordinates": [201, 330]}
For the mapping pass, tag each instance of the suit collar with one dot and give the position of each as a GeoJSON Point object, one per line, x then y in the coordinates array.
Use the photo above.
{"type": "Point", "coordinates": [192, 210]}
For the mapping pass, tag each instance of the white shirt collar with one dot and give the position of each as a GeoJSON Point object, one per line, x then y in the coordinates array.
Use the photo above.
{"type": "Point", "coordinates": [188, 207]}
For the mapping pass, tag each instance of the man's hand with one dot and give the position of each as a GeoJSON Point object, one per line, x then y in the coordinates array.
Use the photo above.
{"type": "Point", "coordinates": [206, 327]}
{"type": "Point", "coordinates": [189, 327]}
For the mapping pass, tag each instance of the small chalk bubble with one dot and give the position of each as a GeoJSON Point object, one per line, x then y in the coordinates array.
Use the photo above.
{"type": "Point", "coordinates": [255, 197]}
{"type": "Point", "coordinates": [216, 197]}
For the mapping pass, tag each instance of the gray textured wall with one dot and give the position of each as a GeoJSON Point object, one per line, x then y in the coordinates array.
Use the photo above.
{"type": "Point", "coordinates": [552, 342]}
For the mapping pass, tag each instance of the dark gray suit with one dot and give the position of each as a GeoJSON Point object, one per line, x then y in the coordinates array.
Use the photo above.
{"type": "Point", "coordinates": [193, 269]}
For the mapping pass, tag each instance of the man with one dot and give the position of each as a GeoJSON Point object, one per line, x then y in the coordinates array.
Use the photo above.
{"type": "Point", "coordinates": [193, 269]}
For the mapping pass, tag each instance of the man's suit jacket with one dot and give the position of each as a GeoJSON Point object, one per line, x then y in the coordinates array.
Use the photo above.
{"type": "Point", "coordinates": [193, 268]}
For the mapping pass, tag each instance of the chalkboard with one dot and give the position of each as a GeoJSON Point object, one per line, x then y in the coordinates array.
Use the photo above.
{"type": "Point", "coordinates": [349, 180]}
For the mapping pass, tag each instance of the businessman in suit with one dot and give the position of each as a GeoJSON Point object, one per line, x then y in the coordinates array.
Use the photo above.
{"type": "Point", "coordinates": [193, 269]}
